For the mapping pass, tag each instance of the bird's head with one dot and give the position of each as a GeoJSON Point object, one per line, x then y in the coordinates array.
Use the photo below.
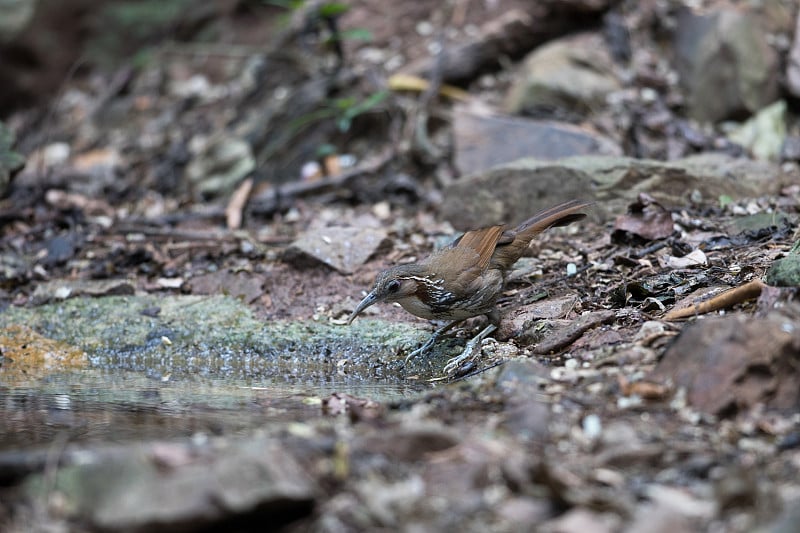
{"type": "Point", "coordinates": [392, 285]}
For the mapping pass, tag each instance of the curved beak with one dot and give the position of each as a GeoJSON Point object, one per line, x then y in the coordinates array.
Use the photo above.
{"type": "Point", "coordinates": [368, 300]}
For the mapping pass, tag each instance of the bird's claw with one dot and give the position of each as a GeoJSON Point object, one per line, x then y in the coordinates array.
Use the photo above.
{"type": "Point", "coordinates": [422, 349]}
{"type": "Point", "coordinates": [469, 350]}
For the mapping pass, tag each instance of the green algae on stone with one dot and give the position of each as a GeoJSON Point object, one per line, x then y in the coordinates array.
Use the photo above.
{"type": "Point", "coordinates": [758, 222]}
{"type": "Point", "coordinates": [218, 336]}
{"type": "Point", "coordinates": [784, 272]}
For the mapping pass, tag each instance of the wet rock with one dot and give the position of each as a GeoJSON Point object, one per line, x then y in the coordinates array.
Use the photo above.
{"type": "Point", "coordinates": [573, 73]}
{"type": "Point", "coordinates": [511, 193]}
{"type": "Point", "coordinates": [135, 491]}
{"type": "Point", "coordinates": [764, 134]}
{"type": "Point", "coordinates": [731, 363]}
{"type": "Point", "coordinates": [26, 355]}
{"type": "Point", "coordinates": [724, 63]}
{"type": "Point", "coordinates": [220, 336]}
{"type": "Point", "coordinates": [484, 140]}
{"type": "Point", "coordinates": [343, 249]}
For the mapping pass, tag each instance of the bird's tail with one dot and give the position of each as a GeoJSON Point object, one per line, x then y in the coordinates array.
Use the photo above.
{"type": "Point", "coordinates": [513, 243]}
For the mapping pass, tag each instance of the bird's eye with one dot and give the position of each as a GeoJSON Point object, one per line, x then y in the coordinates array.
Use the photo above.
{"type": "Point", "coordinates": [393, 286]}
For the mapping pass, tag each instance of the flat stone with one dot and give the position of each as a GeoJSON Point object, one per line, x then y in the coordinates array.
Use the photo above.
{"type": "Point", "coordinates": [343, 249]}
{"type": "Point", "coordinates": [136, 491]}
{"type": "Point", "coordinates": [63, 289]}
{"type": "Point", "coordinates": [244, 285]}
{"type": "Point", "coordinates": [512, 192]}
{"type": "Point", "coordinates": [484, 139]}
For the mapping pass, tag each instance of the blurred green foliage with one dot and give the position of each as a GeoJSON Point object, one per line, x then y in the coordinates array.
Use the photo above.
{"type": "Point", "coordinates": [127, 28]}
{"type": "Point", "coordinates": [10, 161]}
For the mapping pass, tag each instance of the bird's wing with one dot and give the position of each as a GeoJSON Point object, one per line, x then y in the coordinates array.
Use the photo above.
{"type": "Point", "coordinates": [483, 241]}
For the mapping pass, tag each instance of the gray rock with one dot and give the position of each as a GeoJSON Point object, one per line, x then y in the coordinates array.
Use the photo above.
{"type": "Point", "coordinates": [725, 64]}
{"type": "Point", "coordinates": [511, 193]}
{"type": "Point", "coordinates": [483, 140]}
{"type": "Point", "coordinates": [117, 334]}
{"type": "Point", "coordinates": [790, 151]}
{"type": "Point", "coordinates": [343, 249]}
{"type": "Point", "coordinates": [793, 62]}
{"type": "Point", "coordinates": [765, 133]}
{"type": "Point", "coordinates": [575, 73]}
{"type": "Point", "coordinates": [172, 487]}
{"type": "Point", "coordinates": [788, 520]}
{"type": "Point", "coordinates": [14, 17]}
{"type": "Point", "coordinates": [784, 272]}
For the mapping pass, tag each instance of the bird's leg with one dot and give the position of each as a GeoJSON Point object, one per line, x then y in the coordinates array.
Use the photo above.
{"type": "Point", "coordinates": [468, 353]}
{"type": "Point", "coordinates": [430, 342]}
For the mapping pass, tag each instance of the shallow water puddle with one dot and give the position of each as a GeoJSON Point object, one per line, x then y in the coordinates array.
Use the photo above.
{"type": "Point", "coordinates": [98, 370]}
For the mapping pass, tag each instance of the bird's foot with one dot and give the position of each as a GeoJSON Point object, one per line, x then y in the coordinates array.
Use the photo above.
{"type": "Point", "coordinates": [424, 348]}
{"type": "Point", "coordinates": [469, 352]}
{"type": "Point", "coordinates": [430, 342]}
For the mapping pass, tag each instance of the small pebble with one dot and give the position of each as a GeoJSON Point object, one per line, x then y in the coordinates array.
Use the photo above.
{"type": "Point", "coordinates": [592, 427]}
{"type": "Point", "coordinates": [572, 269]}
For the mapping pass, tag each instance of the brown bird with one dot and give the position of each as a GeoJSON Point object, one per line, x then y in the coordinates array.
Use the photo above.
{"type": "Point", "coordinates": [466, 278]}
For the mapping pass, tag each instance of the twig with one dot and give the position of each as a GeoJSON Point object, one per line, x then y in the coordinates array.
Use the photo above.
{"type": "Point", "coordinates": [235, 208]}
{"type": "Point", "coordinates": [727, 299]}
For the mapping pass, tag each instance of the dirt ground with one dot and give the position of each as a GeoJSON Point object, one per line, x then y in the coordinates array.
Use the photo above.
{"type": "Point", "coordinates": [644, 374]}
